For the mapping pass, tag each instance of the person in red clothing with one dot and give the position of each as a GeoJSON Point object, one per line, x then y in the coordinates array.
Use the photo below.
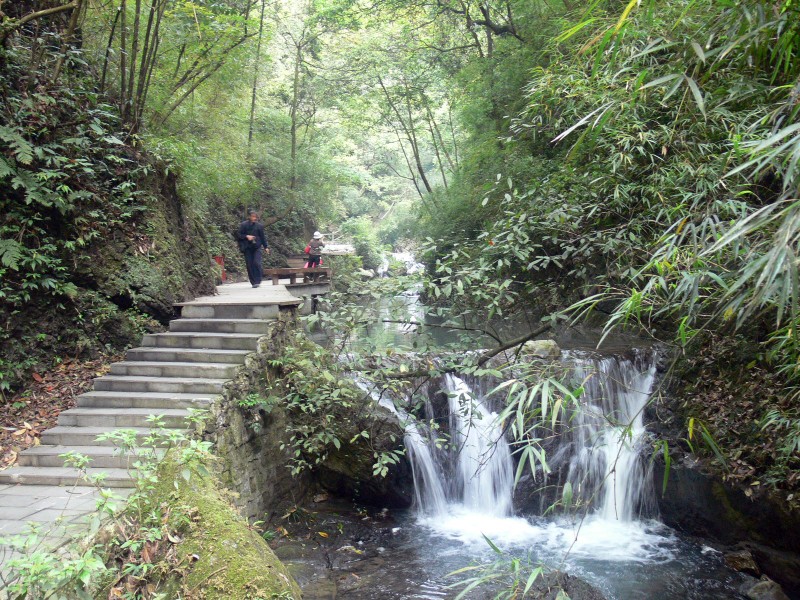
{"type": "Point", "coordinates": [315, 247]}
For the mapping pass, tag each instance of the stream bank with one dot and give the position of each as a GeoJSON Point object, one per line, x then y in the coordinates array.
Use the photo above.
{"type": "Point", "coordinates": [626, 552]}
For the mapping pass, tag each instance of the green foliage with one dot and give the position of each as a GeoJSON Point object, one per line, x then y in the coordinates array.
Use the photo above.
{"type": "Point", "coordinates": [40, 573]}
{"type": "Point", "coordinates": [327, 412]}
{"type": "Point", "coordinates": [345, 278]}
{"type": "Point", "coordinates": [63, 190]}
{"type": "Point", "coordinates": [515, 577]}
{"type": "Point", "coordinates": [362, 231]}
{"type": "Point", "coordinates": [649, 180]}
{"type": "Point", "coordinates": [788, 427]}
{"type": "Point", "coordinates": [86, 223]}
{"type": "Point", "coordinates": [81, 570]}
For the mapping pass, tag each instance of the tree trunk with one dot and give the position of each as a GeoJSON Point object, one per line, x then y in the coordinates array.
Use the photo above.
{"type": "Point", "coordinates": [137, 96]}
{"type": "Point", "coordinates": [133, 58]}
{"type": "Point", "coordinates": [67, 39]}
{"type": "Point", "coordinates": [412, 131]}
{"type": "Point", "coordinates": [123, 52]}
{"type": "Point", "coordinates": [293, 114]}
{"type": "Point", "coordinates": [255, 74]}
{"type": "Point", "coordinates": [152, 58]}
{"type": "Point", "coordinates": [108, 49]}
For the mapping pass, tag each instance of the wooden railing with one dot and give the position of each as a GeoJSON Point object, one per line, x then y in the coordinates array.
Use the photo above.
{"type": "Point", "coordinates": [315, 275]}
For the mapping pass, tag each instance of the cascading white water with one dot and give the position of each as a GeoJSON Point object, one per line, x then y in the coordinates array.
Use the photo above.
{"type": "Point", "coordinates": [485, 469]}
{"type": "Point", "coordinates": [607, 431]}
{"type": "Point", "coordinates": [408, 260]}
{"type": "Point", "coordinates": [479, 460]}
{"type": "Point", "coordinates": [466, 491]}
{"type": "Point", "coordinates": [428, 481]}
{"type": "Point", "coordinates": [463, 489]}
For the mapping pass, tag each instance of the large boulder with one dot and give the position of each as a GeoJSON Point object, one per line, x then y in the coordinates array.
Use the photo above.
{"type": "Point", "coordinates": [765, 589]}
{"type": "Point", "coordinates": [350, 470]}
{"type": "Point", "coordinates": [541, 349]}
{"type": "Point", "coordinates": [742, 561]}
{"type": "Point", "coordinates": [220, 552]}
{"type": "Point", "coordinates": [698, 503]}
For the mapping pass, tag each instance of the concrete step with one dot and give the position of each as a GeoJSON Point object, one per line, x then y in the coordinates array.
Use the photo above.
{"type": "Point", "coordinates": [185, 339]}
{"type": "Point", "coordinates": [191, 355]}
{"type": "Point", "coordinates": [121, 417]}
{"type": "Point", "coordinates": [145, 400]}
{"type": "Point", "coordinates": [61, 435]}
{"type": "Point", "coordinates": [102, 457]}
{"type": "Point", "coordinates": [114, 478]}
{"type": "Point", "coordinates": [194, 370]}
{"type": "Point", "coordinates": [221, 325]}
{"type": "Point", "coordinates": [239, 311]}
{"type": "Point", "coordinates": [182, 385]}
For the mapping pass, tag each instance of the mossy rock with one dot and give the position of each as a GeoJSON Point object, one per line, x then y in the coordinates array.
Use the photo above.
{"type": "Point", "coordinates": [229, 560]}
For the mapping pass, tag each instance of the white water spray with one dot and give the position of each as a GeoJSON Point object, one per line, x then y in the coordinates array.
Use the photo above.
{"type": "Point", "coordinates": [607, 434]}
{"type": "Point", "coordinates": [466, 491]}
{"type": "Point", "coordinates": [485, 477]}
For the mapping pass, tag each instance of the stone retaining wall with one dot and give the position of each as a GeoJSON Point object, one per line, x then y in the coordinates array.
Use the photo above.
{"type": "Point", "coordinates": [248, 441]}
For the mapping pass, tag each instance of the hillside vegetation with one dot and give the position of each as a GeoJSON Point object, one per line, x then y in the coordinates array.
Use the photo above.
{"type": "Point", "coordinates": [632, 160]}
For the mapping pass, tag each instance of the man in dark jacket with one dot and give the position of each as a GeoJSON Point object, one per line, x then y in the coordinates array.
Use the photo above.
{"type": "Point", "coordinates": [252, 242]}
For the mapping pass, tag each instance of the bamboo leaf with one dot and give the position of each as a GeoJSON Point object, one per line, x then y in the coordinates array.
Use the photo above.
{"type": "Point", "coordinates": [698, 49]}
{"type": "Point", "coordinates": [491, 544]}
{"type": "Point", "coordinates": [580, 123]}
{"type": "Point", "coordinates": [698, 95]}
{"type": "Point", "coordinates": [662, 80]}
{"type": "Point", "coordinates": [531, 579]}
{"type": "Point", "coordinates": [625, 14]}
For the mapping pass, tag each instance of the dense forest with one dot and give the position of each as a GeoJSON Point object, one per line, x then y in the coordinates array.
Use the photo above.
{"type": "Point", "coordinates": [630, 164]}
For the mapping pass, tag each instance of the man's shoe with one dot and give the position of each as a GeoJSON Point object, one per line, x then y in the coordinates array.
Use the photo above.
{"type": "Point", "coordinates": [257, 285]}
{"type": "Point", "coordinates": [254, 285]}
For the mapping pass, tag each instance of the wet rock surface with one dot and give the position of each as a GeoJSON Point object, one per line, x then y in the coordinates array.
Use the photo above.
{"type": "Point", "coordinates": [349, 471]}
{"type": "Point", "coordinates": [701, 505]}
{"type": "Point", "coordinates": [742, 561]}
{"type": "Point", "coordinates": [765, 589]}
{"type": "Point", "coordinates": [541, 349]}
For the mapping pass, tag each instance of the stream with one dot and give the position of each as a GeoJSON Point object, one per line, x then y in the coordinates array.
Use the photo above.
{"type": "Point", "coordinates": [465, 491]}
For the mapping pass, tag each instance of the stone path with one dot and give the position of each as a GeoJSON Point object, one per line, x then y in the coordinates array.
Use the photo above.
{"type": "Point", "coordinates": [171, 372]}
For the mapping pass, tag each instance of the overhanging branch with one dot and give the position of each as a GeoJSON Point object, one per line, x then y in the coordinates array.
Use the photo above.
{"type": "Point", "coordinates": [11, 25]}
{"type": "Point", "coordinates": [482, 360]}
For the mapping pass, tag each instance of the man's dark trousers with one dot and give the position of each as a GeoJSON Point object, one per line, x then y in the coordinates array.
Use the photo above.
{"type": "Point", "coordinates": [252, 257]}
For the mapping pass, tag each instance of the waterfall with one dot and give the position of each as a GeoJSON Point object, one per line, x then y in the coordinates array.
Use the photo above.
{"type": "Point", "coordinates": [607, 433]}
{"type": "Point", "coordinates": [407, 258]}
{"type": "Point", "coordinates": [476, 471]}
{"type": "Point", "coordinates": [599, 453]}
{"type": "Point", "coordinates": [485, 468]}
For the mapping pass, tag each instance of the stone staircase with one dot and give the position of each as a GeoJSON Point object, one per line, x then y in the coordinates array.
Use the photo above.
{"type": "Point", "coordinates": [170, 373]}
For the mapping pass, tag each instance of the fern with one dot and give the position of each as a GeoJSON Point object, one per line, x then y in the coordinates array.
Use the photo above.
{"type": "Point", "coordinates": [6, 170]}
{"type": "Point", "coordinates": [10, 254]}
{"type": "Point", "coordinates": [22, 148]}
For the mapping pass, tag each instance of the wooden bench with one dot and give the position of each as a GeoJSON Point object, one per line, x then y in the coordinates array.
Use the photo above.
{"type": "Point", "coordinates": [317, 275]}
